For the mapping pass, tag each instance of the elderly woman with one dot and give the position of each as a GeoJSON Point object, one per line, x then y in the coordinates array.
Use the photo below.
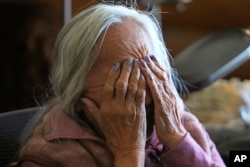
{"type": "Point", "coordinates": [115, 99]}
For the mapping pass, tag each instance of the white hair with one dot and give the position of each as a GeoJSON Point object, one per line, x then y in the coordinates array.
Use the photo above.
{"type": "Point", "coordinates": [72, 57]}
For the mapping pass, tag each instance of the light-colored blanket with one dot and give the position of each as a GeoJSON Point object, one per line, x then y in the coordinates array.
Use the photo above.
{"type": "Point", "coordinates": [223, 103]}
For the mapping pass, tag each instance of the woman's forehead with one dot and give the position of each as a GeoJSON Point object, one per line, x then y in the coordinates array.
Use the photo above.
{"type": "Point", "coordinates": [122, 41]}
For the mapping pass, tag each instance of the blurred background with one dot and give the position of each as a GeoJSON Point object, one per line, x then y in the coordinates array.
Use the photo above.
{"type": "Point", "coordinates": [29, 27]}
{"type": "Point", "coordinates": [27, 33]}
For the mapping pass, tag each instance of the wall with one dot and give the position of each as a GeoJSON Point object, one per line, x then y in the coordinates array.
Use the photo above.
{"type": "Point", "coordinates": [200, 18]}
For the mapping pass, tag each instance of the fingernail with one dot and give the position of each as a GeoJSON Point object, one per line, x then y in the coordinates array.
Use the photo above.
{"type": "Point", "coordinates": [151, 78]}
{"type": "Point", "coordinates": [135, 63]}
{"type": "Point", "coordinates": [116, 67]}
{"type": "Point", "coordinates": [152, 57]}
{"type": "Point", "coordinates": [129, 62]}
{"type": "Point", "coordinates": [143, 63]}
{"type": "Point", "coordinates": [147, 59]}
{"type": "Point", "coordinates": [142, 76]}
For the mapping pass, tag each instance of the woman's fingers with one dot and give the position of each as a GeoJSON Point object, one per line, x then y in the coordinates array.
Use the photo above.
{"type": "Point", "coordinates": [123, 113]}
{"type": "Point", "coordinates": [130, 86]}
{"type": "Point", "coordinates": [150, 79]}
{"type": "Point", "coordinates": [133, 82]}
{"type": "Point", "coordinates": [121, 85]}
{"type": "Point", "coordinates": [92, 112]}
{"type": "Point", "coordinates": [158, 79]}
{"type": "Point", "coordinates": [136, 85]}
{"type": "Point", "coordinates": [155, 67]}
{"type": "Point", "coordinates": [109, 86]}
{"type": "Point", "coordinates": [141, 91]}
{"type": "Point", "coordinates": [156, 62]}
{"type": "Point", "coordinates": [126, 84]}
{"type": "Point", "coordinates": [167, 119]}
{"type": "Point", "coordinates": [131, 89]}
{"type": "Point", "coordinates": [91, 109]}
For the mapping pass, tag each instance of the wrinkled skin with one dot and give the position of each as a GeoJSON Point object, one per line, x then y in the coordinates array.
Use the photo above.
{"type": "Point", "coordinates": [167, 104]}
{"type": "Point", "coordinates": [122, 115]}
{"type": "Point", "coordinates": [127, 92]}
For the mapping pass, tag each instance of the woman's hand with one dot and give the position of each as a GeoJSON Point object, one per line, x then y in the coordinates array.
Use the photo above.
{"type": "Point", "coordinates": [122, 116]}
{"type": "Point", "coordinates": [167, 104]}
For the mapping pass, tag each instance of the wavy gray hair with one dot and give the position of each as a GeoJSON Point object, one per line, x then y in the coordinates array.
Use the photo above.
{"type": "Point", "coordinates": [72, 57]}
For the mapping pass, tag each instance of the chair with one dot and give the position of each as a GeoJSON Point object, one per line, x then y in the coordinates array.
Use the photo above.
{"type": "Point", "coordinates": [11, 126]}
{"type": "Point", "coordinates": [213, 57]}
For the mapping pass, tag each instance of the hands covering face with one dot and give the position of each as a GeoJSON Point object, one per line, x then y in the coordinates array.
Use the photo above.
{"type": "Point", "coordinates": [121, 117]}
{"type": "Point", "coordinates": [168, 107]}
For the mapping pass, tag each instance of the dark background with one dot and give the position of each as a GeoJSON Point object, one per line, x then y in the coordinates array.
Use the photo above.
{"type": "Point", "coordinates": [27, 34]}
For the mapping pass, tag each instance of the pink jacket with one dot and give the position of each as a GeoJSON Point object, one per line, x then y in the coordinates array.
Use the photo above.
{"type": "Point", "coordinates": [62, 142]}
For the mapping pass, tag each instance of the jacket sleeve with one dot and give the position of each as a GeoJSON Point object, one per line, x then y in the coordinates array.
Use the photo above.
{"type": "Point", "coordinates": [188, 153]}
{"type": "Point", "coordinates": [31, 164]}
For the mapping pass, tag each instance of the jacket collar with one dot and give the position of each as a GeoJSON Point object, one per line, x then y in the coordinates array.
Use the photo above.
{"type": "Point", "coordinates": [58, 125]}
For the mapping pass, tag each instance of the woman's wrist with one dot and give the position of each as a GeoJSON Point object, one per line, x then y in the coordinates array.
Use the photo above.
{"type": "Point", "coordinates": [130, 158]}
{"type": "Point", "coordinates": [172, 140]}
